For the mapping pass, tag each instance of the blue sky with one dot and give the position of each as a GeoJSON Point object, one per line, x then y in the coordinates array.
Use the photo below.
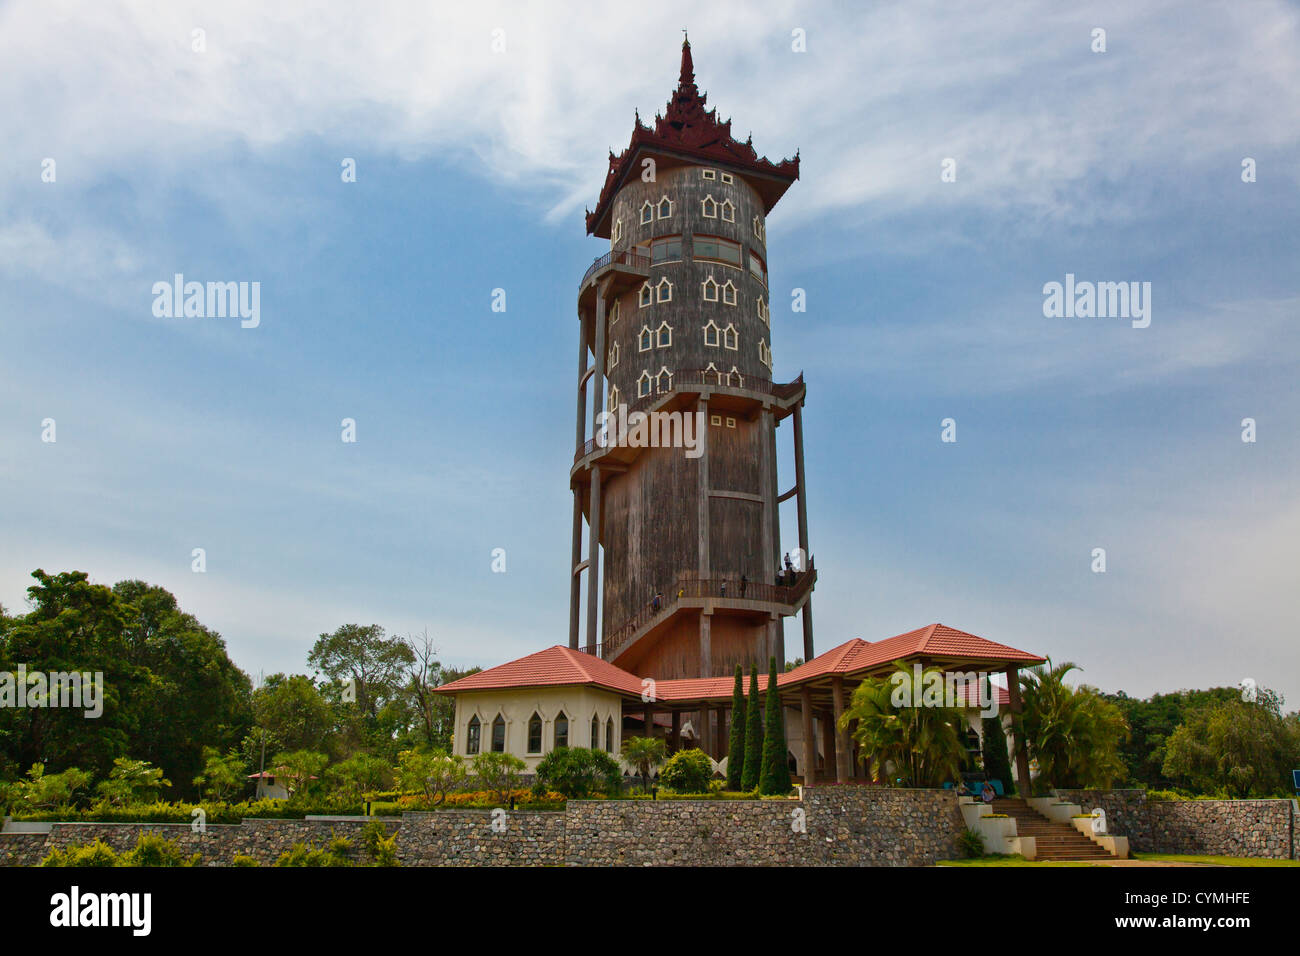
{"type": "Point", "coordinates": [924, 302]}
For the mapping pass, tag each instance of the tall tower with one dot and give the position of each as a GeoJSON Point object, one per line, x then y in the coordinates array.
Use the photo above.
{"type": "Point", "coordinates": [677, 317]}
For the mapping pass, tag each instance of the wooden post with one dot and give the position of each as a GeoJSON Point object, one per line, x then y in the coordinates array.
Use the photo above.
{"type": "Point", "coordinates": [1023, 783]}
{"type": "Point", "coordinates": [801, 499]}
{"type": "Point", "coordinates": [844, 750]}
{"type": "Point", "coordinates": [676, 738]}
{"type": "Point", "coordinates": [575, 576]}
{"type": "Point", "coordinates": [830, 752]}
{"type": "Point", "coordinates": [809, 741]}
{"type": "Point", "coordinates": [649, 721]}
{"type": "Point", "coordinates": [706, 644]}
{"type": "Point", "coordinates": [593, 559]}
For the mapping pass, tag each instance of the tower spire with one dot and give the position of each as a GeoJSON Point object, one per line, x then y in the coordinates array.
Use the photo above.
{"type": "Point", "coordinates": [687, 77]}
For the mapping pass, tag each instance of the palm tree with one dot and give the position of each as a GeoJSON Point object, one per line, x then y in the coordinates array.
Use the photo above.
{"type": "Point", "coordinates": [644, 753]}
{"type": "Point", "coordinates": [1073, 733]}
{"type": "Point", "coordinates": [909, 744]}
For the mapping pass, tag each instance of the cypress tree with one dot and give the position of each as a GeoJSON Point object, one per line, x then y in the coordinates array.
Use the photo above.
{"type": "Point", "coordinates": [736, 746]}
{"type": "Point", "coordinates": [753, 737]}
{"type": "Point", "coordinates": [997, 762]}
{"type": "Point", "coordinates": [776, 771]}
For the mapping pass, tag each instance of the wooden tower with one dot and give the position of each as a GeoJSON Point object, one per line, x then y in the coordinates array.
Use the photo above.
{"type": "Point", "coordinates": [677, 317]}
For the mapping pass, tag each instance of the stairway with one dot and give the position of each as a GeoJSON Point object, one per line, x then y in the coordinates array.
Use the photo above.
{"type": "Point", "coordinates": [1056, 842]}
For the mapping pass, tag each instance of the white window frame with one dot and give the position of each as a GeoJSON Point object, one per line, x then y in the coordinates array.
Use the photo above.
{"type": "Point", "coordinates": [704, 289]}
{"type": "Point", "coordinates": [614, 396]}
{"type": "Point", "coordinates": [659, 335]}
{"type": "Point", "coordinates": [664, 283]}
{"type": "Point", "coordinates": [704, 207]}
{"type": "Point", "coordinates": [613, 314]}
{"type": "Point", "coordinates": [730, 332]}
{"type": "Point", "coordinates": [646, 296]}
{"type": "Point", "coordinates": [717, 336]}
{"type": "Point", "coordinates": [643, 385]}
{"type": "Point", "coordinates": [647, 207]}
{"type": "Point", "coordinates": [611, 360]}
{"type": "Point", "coordinates": [659, 207]}
{"type": "Point", "coordinates": [734, 297]}
{"type": "Point", "coordinates": [728, 207]}
{"type": "Point", "coordinates": [618, 232]}
{"type": "Point", "coordinates": [641, 338]}
{"type": "Point", "coordinates": [765, 354]}
{"type": "Point", "coordinates": [762, 309]}
{"type": "Point", "coordinates": [659, 389]}
{"type": "Point", "coordinates": [740, 379]}
{"type": "Point", "coordinates": [711, 174]}
{"type": "Point", "coordinates": [758, 227]}
{"type": "Point", "coordinates": [728, 179]}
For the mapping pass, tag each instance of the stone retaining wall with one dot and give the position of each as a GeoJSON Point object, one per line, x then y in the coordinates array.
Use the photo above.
{"type": "Point", "coordinates": [842, 826]}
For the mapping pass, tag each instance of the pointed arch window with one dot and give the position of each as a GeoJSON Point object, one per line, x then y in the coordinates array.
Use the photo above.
{"type": "Point", "coordinates": [731, 338]}
{"type": "Point", "coordinates": [644, 385]}
{"type": "Point", "coordinates": [647, 212]}
{"type": "Point", "coordinates": [734, 377]}
{"type": "Point", "coordinates": [728, 211]}
{"type": "Point", "coordinates": [613, 314]}
{"type": "Point", "coordinates": [761, 306]}
{"type": "Point", "coordinates": [595, 732]}
{"type": "Point", "coordinates": [664, 380]}
{"type": "Point", "coordinates": [664, 290]}
{"type": "Point", "coordinates": [618, 231]}
{"type": "Point", "coordinates": [535, 733]}
{"type": "Point", "coordinates": [709, 289]}
{"type": "Point", "coordinates": [728, 293]}
{"type": "Point", "coordinates": [646, 296]}
{"type": "Point", "coordinates": [665, 208]}
{"type": "Point", "coordinates": [609, 734]}
{"type": "Point", "coordinates": [709, 207]}
{"type": "Point", "coordinates": [765, 354]}
{"type": "Point", "coordinates": [718, 379]}
{"type": "Point", "coordinates": [711, 332]}
{"type": "Point", "coordinates": [614, 398]}
{"type": "Point", "coordinates": [473, 735]}
{"type": "Point", "coordinates": [560, 736]}
{"type": "Point", "coordinates": [498, 734]}
{"type": "Point", "coordinates": [664, 335]}
{"type": "Point", "coordinates": [758, 227]}
{"type": "Point", "coordinates": [612, 361]}
{"type": "Point", "coordinates": [646, 340]}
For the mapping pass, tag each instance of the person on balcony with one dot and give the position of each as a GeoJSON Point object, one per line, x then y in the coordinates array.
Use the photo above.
{"type": "Point", "coordinates": [744, 584]}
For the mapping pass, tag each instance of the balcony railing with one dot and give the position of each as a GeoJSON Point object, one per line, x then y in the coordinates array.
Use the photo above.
{"type": "Point", "coordinates": [690, 585]}
{"type": "Point", "coordinates": [636, 263]}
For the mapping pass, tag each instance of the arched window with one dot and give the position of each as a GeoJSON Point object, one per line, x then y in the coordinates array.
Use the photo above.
{"type": "Point", "coordinates": [728, 293]}
{"type": "Point", "coordinates": [709, 289]}
{"type": "Point", "coordinates": [709, 207]}
{"type": "Point", "coordinates": [609, 734]}
{"type": "Point", "coordinates": [643, 385]}
{"type": "Point", "coordinates": [613, 357]}
{"type": "Point", "coordinates": [761, 306]}
{"type": "Point", "coordinates": [665, 208]}
{"type": "Point", "coordinates": [647, 295]}
{"type": "Point", "coordinates": [735, 378]}
{"type": "Point", "coordinates": [613, 314]}
{"type": "Point", "coordinates": [758, 227]}
{"type": "Point", "coordinates": [595, 732]}
{"type": "Point", "coordinates": [665, 335]}
{"type": "Point", "coordinates": [618, 231]}
{"type": "Point", "coordinates": [764, 354]}
{"type": "Point", "coordinates": [535, 733]}
{"type": "Point", "coordinates": [664, 380]}
{"type": "Point", "coordinates": [713, 370]}
{"type": "Point", "coordinates": [711, 334]}
{"type": "Point", "coordinates": [561, 729]}
{"type": "Point", "coordinates": [647, 212]}
{"type": "Point", "coordinates": [646, 340]}
{"type": "Point", "coordinates": [614, 397]}
{"type": "Point", "coordinates": [731, 338]}
{"type": "Point", "coordinates": [728, 211]}
{"type": "Point", "coordinates": [473, 734]}
{"type": "Point", "coordinates": [498, 734]}
{"type": "Point", "coordinates": [664, 290]}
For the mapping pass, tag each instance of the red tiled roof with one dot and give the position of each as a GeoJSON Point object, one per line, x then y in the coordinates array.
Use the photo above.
{"type": "Point", "coordinates": [560, 666]}
{"type": "Point", "coordinates": [553, 667]}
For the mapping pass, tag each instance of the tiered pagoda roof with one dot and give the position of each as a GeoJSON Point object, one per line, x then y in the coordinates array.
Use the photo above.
{"type": "Point", "coordinates": [688, 132]}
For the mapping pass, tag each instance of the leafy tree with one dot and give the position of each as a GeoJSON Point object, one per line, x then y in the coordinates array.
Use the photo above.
{"type": "Point", "coordinates": [644, 753]}
{"type": "Point", "coordinates": [909, 746]}
{"type": "Point", "coordinates": [775, 777]}
{"type": "Point", "coordinates": [222, 777]}
{"type": "Point", "coordinates": [1152, 722]}
{"type": "Point", "coordinates": [1236, 747]}
{"type": "Point", "coordinates": [42, 791]}
{"type": "Point", "coordinates": [360, 774]}
{"type": "Point", "coordinates": [997, 760]}
{"type": "Point", "coordinates": [293, 714]}
{"type": "Point", "coordinates": [498, 773]}
{"type": "Point", "coordinates": [578, 772]}
{"type": "Point", "coordinates": [753, 771]}
{"type": "Point", "coordinates": [298, 769]}
{"type": "Point", "coordinates": [363, 657]}
{"type": "Point", "coordinates": [434, 773]}
{"type": "Point", "coordinates": [736, 743]}
{"type": "Point", "coordinates": [132, 781]}
{"type": "Point", "coordinates": [687, 771]}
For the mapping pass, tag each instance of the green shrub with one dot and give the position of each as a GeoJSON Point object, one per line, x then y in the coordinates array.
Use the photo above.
{"type": "Point", "coordinates": [154, 850]}
{"type": "Point", "coordinates": [970, 844]}
{"type": "Point", "coordinates": [97, 853]}
{"type": "Point", "coordinates": [300, 854]}
{"type": "Point", "coordinates": [753, 768]}
{"type": "Point", "coordinates": [687, 771]}
{"type": "Point", "coordinates": [775, 778]}
{"type": "Point", "coordinates": [243, 859]}
{"type": "Point", "coordinates": [577, 772]}
{"type": "Point", "coordinates": [736, 742]}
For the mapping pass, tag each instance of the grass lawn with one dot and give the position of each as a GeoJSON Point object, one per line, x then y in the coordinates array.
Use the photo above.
{"type": "Point", "coordinates": [1214, 860]}
{"type": "Point", "coordinates": [1007, 860]}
